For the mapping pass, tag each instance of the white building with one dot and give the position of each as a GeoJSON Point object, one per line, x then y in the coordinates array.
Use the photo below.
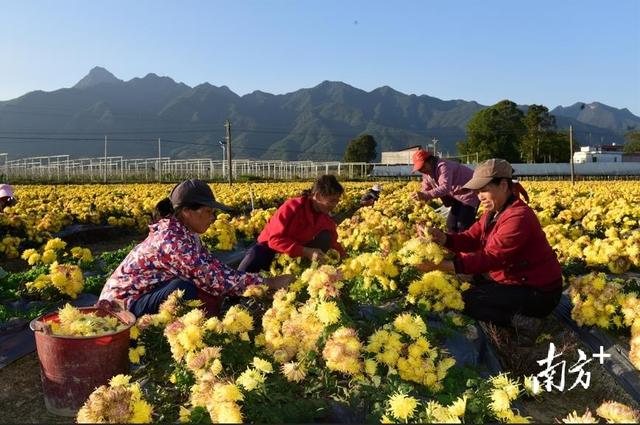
{"type": "Point", "coordinates": [589, 154]}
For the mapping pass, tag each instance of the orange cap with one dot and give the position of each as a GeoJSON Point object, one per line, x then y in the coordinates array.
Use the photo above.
{"type": "Point", "coordinates": [419, 158]}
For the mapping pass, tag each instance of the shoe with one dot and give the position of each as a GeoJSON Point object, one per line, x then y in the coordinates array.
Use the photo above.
{"type": "Point", "coordinates": [527, 328]}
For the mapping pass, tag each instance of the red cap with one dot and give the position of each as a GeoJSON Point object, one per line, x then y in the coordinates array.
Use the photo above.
{"type": "Point", "coordinates": [419, 158]}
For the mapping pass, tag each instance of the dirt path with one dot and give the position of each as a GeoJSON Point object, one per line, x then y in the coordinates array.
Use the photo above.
{"type": "Point", "coordinates": [21, 397]}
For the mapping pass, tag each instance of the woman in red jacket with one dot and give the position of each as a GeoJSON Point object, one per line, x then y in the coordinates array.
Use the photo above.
{"type": "Point", "coordinates": [524, 277]}
{"type": "Point", "coordinates": [302, 227]}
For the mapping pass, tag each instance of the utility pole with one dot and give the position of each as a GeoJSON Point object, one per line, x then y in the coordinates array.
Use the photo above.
{"type": "Point", "coordinates": [227, 126]}
{"type": "Point", "coordinates": [435, 142]}
{"type": "Point", "coordinates": [159, 161]}
{"type": "Point", "coordinates": [571, 153]}
{"type": "Point", "coordinates": [105, 159]}
{"type": "Point", "coordinates": [224, 154]}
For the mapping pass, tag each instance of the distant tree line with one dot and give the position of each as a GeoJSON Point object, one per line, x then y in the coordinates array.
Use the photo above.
{"type": "Point", "coordinates": [504, 131]}
{"type": "Point", "coordinates": [632, 142]}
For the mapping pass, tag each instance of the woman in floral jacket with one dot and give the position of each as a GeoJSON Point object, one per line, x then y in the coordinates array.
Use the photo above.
{"type": "Point", "coordinates": [173, 258]}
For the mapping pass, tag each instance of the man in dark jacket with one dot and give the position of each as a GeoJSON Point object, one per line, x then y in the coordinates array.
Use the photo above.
{"type": "Point", "coordinates": [517, 276]}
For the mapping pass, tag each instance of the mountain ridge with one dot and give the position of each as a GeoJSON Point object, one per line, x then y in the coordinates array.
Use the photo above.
{"type": "Point", "coordinates": [309, 123]}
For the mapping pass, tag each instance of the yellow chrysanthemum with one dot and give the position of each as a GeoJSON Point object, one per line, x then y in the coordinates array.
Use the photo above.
{"type": "Point", "coordinates": [294, 371]}
{"type": "Point", "coordinates": [328, 312]}
{"type": "Point", "coordinates": [262, 365]}
{"type": "Point", "coordinates": [402, 406]}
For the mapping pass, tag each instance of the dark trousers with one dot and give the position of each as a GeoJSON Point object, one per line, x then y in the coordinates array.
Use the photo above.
{"type": "Point", "coordinates": [149, 303]}
{"type": "Point", "coordinates": [461, 216]}
{"type": "Point", "coordinates": [492, 302]}
{"type": "Point", "coordinates": [260, 256]}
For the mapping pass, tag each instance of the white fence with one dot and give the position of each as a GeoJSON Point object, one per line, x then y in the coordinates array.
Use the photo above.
{"type": "Point", "coordinates": [63, 168]}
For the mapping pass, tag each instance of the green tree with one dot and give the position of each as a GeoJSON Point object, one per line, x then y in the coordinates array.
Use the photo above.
{"type": "Point", "coordinates": [538, 142]}
{"type": "Point", "coordinates": [559, 148]}
{"type": "Point", "coordinates": [632, 141]}
{"type": "Point", "coordinates": [361, 149]}
{"type": "Point", "coordinates": [495, 132]}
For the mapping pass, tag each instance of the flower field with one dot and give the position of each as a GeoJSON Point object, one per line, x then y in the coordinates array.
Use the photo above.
{"type": "Point", "coordinates": [363, 338]}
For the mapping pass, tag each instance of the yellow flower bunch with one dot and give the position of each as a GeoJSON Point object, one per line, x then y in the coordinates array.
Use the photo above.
{"type": "Point", "coordinates": [503, 392]}
{"type": "Point", "coordinates": [168, 311]}
{"type": "Point", "coordinates": [284, 264]}
{"type": "Point", "coordinates": [630, 308]}
{"type": "Point", "coordinates": [419, 250]}
{"type": "Point", "coordinates": [221, 234]}
{"type": "Point", "coordinates": [238, 321]}
{"type": "Point", "coordinates": [401, 406]}
{"type": "Point", "coordinates": [122, 221]}
{"type": "Point", "coordinates": [290, 332]}
{"type": "Point", "coordinates": [220, 398]}
{"type": "Point", "coordinates": [425, 215]}
{"type": "Point", "coordinates": [531, 386]}
{"type": "Point", "coordinates": [368, 230]}
{"type": "Point", "coordinates": [323, 282]}
{"type": "Point", "coordinates": [328, 312]}
{"type": "Point", "coordinates": [574, 418]}
{"type": "Point", "coordinates": [567, 247]}
{"type": "Point", "coordinates": [255, 291]}
{"type": "Point", "coordinates": [53, 250]}
{"type": "Point", "coordinates": [397, 202]}
{"type": "Point", "coordinates": [454, 413]}
{"type": "Point", "coordinates": [185, 334]}
{"type": "Point", "coordinates": [67, 279]}
{"type": "Point", "coordinates": [118, 402]}
{"type": "Point", "coordinates": [82, 254]}
{"type": "Point", "coordinates": [255, 374]}
{"type": "Point", "coordinates": [342, 352]}
{"type": "Point", "coordinates": [375, 268]}
{"type": "Point", "coordinates": [610, 252]}
{"type": "Point", "coordinates": [404, 408]}
{"type": "Point", "coordinates": [411, 325]}
{"type": "Point", "coordinates": [294, 371]}
{"type": "Point", "coordinates": [437, 291]}
{"type": "Point", "coordinates": [31, 256]}
{"type": "Point", "coordinates": [596, 300]}
{"type": "Point", "coordinates": [55, 244]}
{"type": "Point", "coordinates": [619, 413]}
{"type": "Point", "coordinates": [9, 246]}
{"type": "Point", "coordinates": [205, 363]}
{"type": "Point", "coordinates": [136, 352]}
{"type": "Point", "coordinates": [74, 322]}
{"type": "Point", "coordinates": [252, 226]}
{"type": "Point", "coordinates": [50, 252]}
{"type": "Point", "coordinates": [414, 358]}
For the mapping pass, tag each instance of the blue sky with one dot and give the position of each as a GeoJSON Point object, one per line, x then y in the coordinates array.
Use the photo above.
{"type": "Point", "coordinates": [549, 52]}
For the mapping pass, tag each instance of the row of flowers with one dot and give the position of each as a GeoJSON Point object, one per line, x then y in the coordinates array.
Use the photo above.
{"type": "Point", "coordinates": [291, 355]}
{"type": "Point", "coordinates": [43, 210]}
{"type": "Point", "coordinates": [288, 356]}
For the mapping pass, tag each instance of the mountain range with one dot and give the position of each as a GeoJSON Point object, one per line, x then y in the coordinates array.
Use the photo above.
{"type": "Point", "coordinates": [311, 123]}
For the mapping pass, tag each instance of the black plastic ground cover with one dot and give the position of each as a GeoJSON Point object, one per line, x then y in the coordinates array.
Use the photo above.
{"type": "Point", "coordinates": [83, 233]}
{"type": "Point", "coordinates": [618, 365]}
{"type": "Point", "coordinates": [17, 340]}
{"type": "Point", "coordinates": [487, 355]}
